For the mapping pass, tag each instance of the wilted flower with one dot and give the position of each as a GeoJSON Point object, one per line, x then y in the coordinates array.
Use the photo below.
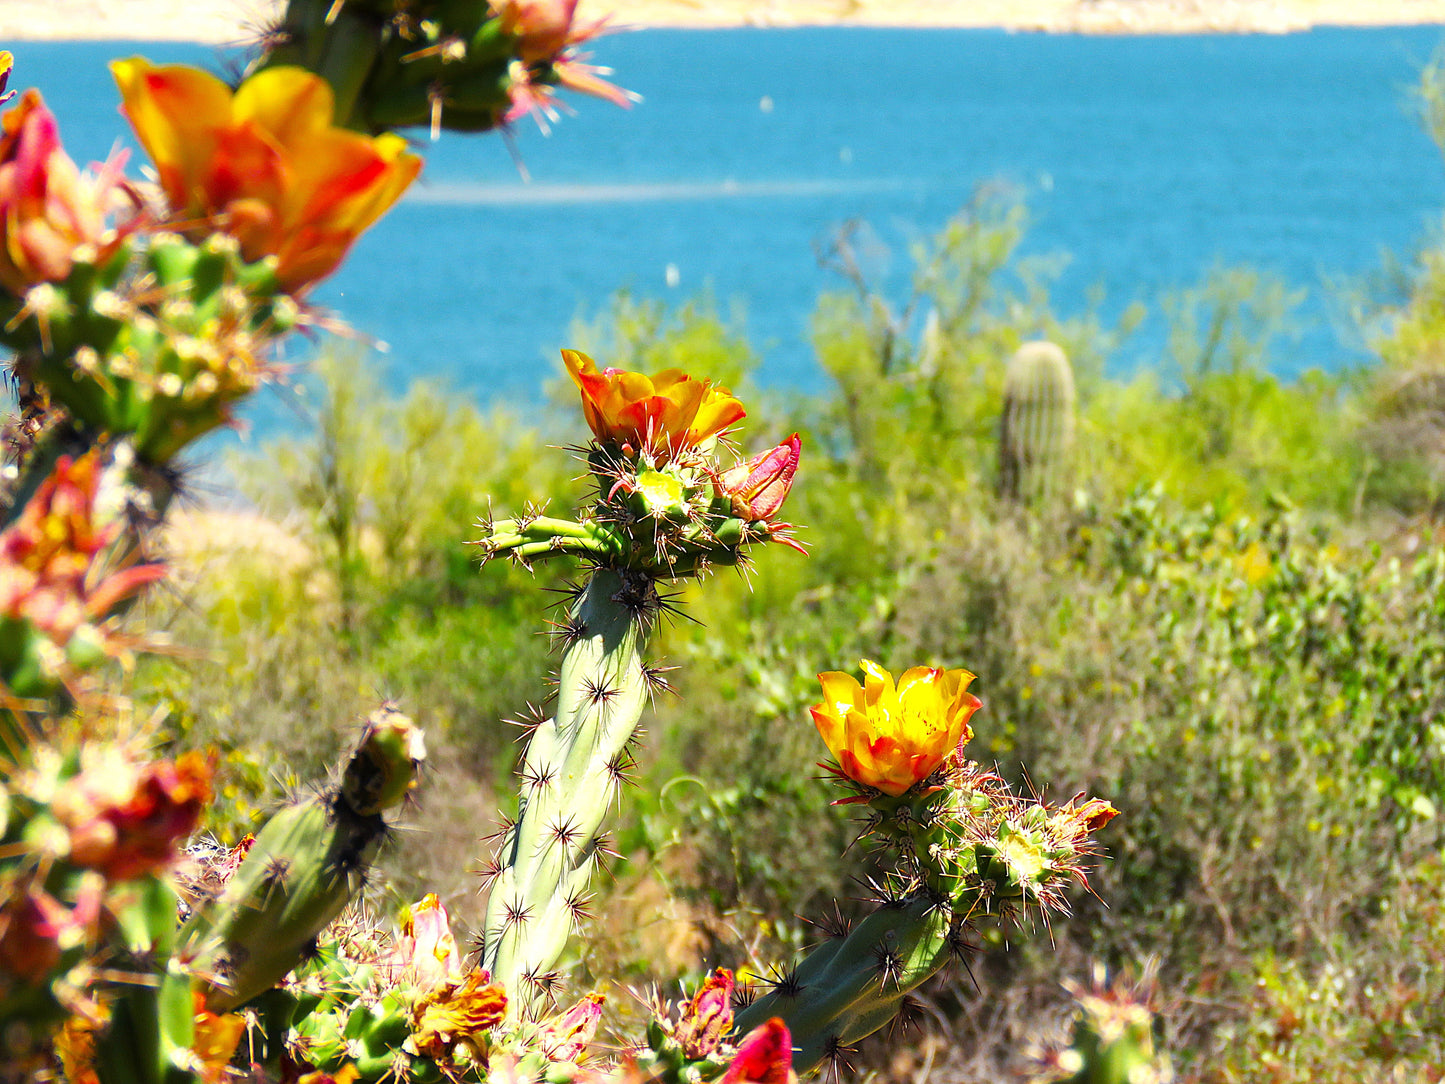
{"type": "Point", "coordinates": [426, 952]}
{"type": "Point", "coordinates": [660, 414]}
{"type": "Point", "coordinates": [264, 162]}
{"type": "Point", "coordinates": [46, 559]}
{"type": "Point", "coordinates": [765, 1056]}
{"type": "Point", "coordinates": [758, 486]}
{"type": "Point", "coordinates": [36, 929]}
{"type": "Point", "coordinates": [457, 1012]}
{"type": "Point", "coordinates": [215, 1040]}
{"type": "Point", "coordinates": [49, 210]}
{"type": "Point", "coordinates": [565, 1037]}
{"type": "Point", "coordinates": [891, 737]}
{"type": "Point", "coordinates": [708, 1016]}
{"type": "Point", "coordinates": [127, 817]}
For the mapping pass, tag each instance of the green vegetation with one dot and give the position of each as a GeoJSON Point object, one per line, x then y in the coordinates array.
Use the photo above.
{"type": "Point", "coordinates": [1231, 624]}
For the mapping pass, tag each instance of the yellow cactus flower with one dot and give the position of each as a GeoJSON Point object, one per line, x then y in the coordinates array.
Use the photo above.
{"type": "Point", "coordinates": [264, 162]}
{"type": "Point", "coordinates": [891, 736]}
{"type": "Point", "coordinates": [660, 414]}
{"type": "Point", "coordinates": [457, 1012]}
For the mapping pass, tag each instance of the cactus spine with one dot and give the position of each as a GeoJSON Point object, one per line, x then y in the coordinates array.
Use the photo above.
{"type": "Point", "coordinates": [573, 766]}
{"type": "Point", "coordinates": [1036, 433]}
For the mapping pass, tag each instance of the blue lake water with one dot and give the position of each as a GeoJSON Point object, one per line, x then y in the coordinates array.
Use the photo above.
{"type": "Point", "coordinates": [1147, 160]}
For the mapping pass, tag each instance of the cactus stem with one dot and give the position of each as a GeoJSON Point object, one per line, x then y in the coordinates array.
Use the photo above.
{"type": "Point", "coordinates": [837, 1055]}
{"type": "Point", "coordinates": [535, 778]}
{"type": "Point", "coordinates": [564, 832]}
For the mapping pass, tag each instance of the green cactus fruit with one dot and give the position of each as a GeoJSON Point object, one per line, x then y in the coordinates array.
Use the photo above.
{"type": "Point", "coordinates": [849, 987]}
{"type": "Point", "coordinates": [305, 866]}
{"type": "Point", "coordinates": [1036, 433]}
{"type": "Point", "coordinates": [570, 774]}
{"type": "Point", "coordinates": [1112, 1040]}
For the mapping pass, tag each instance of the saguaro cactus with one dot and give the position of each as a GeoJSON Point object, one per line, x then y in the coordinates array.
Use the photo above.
{"type": "Point", "coordinates": [1036, 432]}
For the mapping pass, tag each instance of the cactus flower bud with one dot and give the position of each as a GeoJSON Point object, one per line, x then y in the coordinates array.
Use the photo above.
{"type": "Point", "coordinates": [708, 1016]}
{"type": "Point", "coordinates": [889, 736]}
{"type": "Point", "coordinates": [758, 487]}
{"type": "Point", "coordinates": [765, 1056]}
{"type": "Point", "coordinates": [661, 414]}
{"type": "Point", "coordinates": [264, 162]}
{"type": "Point", "coordinates": [48, 209]}
{"type": "Point", "coordinates": [543, 28]}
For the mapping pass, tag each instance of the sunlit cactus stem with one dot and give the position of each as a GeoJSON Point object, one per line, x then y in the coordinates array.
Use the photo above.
{"type": "Point", "coordinates": [573, 766]}
{"type": "Point", "coordinates": [849, 987]}
{"type": "Point", "coordinates": [1036, 433]}
{"type": "Point", "coordinates": [305, 866]}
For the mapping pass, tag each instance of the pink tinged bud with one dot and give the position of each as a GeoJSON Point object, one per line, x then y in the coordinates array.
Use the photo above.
{"type": "Point", "coordinates": [430, 950]}
{"type": "Point", "coordinates": [565, 1038]}
{"type": "Point", "coordinates": [765, 1056]}
{"type": "Point", "coordinates": [759, 486]}
{"type": "Point", "coordinates": [708, 1017]}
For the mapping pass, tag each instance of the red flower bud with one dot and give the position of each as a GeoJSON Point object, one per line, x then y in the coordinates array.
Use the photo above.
{"type": "Point", "coordinates": [759, 486]}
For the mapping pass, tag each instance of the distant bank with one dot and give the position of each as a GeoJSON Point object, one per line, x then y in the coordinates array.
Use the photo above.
{"type": "Point", "coordinates": [223, 21]}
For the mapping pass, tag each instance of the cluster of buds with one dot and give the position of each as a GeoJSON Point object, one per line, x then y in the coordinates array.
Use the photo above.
{"type": "Point", "coordinates": [664, 506]}
{"type": "Point", "coordinates": [961, 834]}
{"type": "Point", "coordinates": [467, 67]}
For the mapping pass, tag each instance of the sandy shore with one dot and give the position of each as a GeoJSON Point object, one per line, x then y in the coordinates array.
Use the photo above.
{"type": "Point", "coordinates": [220, 21]}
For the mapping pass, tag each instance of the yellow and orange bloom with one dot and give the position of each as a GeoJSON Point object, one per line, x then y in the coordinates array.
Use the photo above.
{"type": "Point", "coordinates": [758, 486]}
{"type": "Point", "coordinates": [661, 414]}
{"type": "Point", "coordinates": [50, 213]}
{"type": "Point", "coordinates": [264, 163]}
{"type": "Point", "coordinates": [890, 736]}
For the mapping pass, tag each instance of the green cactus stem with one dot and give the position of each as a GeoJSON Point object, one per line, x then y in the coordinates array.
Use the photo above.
{"type": "Point", "coordinates": [305, 866]}
{"type": "Point", "coordinates": [1036, 433]}
{"type": "Point", "coordinates": [849, 987]}
{"type": "Point", "coordinates": [573, 767]}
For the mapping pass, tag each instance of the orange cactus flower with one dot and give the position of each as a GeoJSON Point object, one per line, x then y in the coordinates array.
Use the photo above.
{"type": "Point", "coordinates": [49, 210]}
{"type": "Point", "coordinates": [758, 486]}
{"type": "Point", "coordinates": [891, 736]}
{"type": "Point", "coordinates": [264, 162]}
{"type": "Point", "coordinates": [661, 414]}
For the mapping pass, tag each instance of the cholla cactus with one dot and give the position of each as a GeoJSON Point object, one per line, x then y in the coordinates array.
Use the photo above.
{"type": "Point", "coordinates": [663, 509]}
{"type": "Point", "coordinates": [139, 322]}
{"type": "Point", "coordinates": [963, 847]}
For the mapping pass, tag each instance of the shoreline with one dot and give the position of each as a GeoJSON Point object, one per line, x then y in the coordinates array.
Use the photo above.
{"type": "Point", "coordinates": [224, 22]}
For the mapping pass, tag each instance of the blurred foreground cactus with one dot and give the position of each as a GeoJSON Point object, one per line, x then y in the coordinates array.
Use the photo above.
{"type": "Point", "coordinates": [140, 317]}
